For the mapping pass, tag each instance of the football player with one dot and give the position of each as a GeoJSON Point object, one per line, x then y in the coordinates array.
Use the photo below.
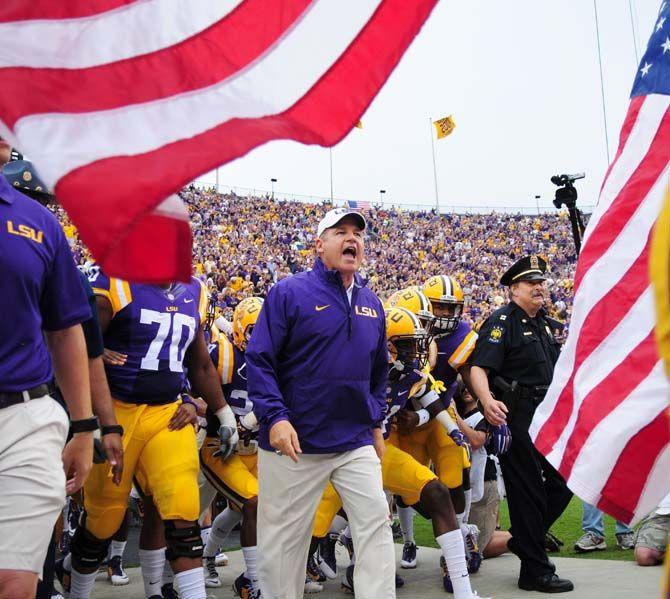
{"type": "Point", "coordinates": [160, 331]}
{"type": "Point", "coordinates": [237, 477]}
{"type": "Point", "coordinates": [454, 338]}
{"type": "Point", "coordinates": [417, 485]}
{"type": "Point", "coordinates": [430, 442]}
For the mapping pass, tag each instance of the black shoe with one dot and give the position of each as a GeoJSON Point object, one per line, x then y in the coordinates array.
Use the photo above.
{"type": "Point", "coordinates": [549, 583]}
{"type": "Point", "coordinates": [168, 592]}
{"type": "Point", "coordinates": [326, 558]}
{"type": "Point", "coordinates": [552, 544]}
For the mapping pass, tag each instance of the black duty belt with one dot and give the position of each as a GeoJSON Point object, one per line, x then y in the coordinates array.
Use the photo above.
{"type": "Point", "coordinates": [12, 398]}
{"type": "Point", "coordinates": [533, 393]}
{"type": "Point", "coordinates": [536, 392]}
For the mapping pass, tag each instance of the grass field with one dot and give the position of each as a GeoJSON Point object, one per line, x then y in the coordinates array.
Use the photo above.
{"type": "Point", "coordinates": [568, 528]}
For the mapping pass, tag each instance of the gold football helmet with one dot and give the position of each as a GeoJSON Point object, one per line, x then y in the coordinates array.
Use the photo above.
{"type": "Point", "coordinates": [417, 303]}
{"type": "Point", "coordinates": [406, 339]}
{"type": "Point", "coordinates": [391, 300]}
{"type": "Point", "coordinates": [447, 300]}
{"type": "Point", "coordinates": [244, 319]}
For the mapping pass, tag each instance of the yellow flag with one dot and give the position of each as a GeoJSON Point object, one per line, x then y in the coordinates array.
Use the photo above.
{"type": "Point", "coordinates": [359, 124]}
{"type": "Point", "coordinates": [444, 126]}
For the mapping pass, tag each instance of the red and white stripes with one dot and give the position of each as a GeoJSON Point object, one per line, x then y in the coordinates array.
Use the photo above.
{"type": "Point", "coordinates": [150, 94]}
{"type": "Point", "coordinates": [609, 391]}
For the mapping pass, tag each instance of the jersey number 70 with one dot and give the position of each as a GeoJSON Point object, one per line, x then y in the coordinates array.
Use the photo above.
{"type": "Point", "coordinates": [167, 321]}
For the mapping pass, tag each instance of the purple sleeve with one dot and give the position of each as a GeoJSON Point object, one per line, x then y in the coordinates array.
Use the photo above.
{"type": "Point", "coordinates": [63, 303]}
{"type": "Point", "coordinates": [379, 377]}
{"type": "Point", "coordinates": [261, 357]}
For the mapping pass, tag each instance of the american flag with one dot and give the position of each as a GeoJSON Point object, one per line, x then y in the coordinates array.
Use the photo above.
{"type": "Point", "coordinates": [604, 422]}
{"type": "Point", "coordinates": [120, 103]}
{"type": "Point", "coordinates": [358, 205]}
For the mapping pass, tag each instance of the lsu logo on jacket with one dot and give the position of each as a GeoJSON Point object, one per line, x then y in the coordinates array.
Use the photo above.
{"type": "Point", "coordinates": [365, 311]}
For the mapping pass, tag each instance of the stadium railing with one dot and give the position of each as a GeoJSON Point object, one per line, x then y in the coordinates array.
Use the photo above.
{"type": "Point", "coordinates": [444, 209]}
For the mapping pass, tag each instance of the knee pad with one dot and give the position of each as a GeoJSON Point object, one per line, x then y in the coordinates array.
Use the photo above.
{"type": "Point", "coordinates": [87, 550]}
{"type": "Point", "coordinates": [466, 479]}
{"type": "Point", "coordinates": [182, 542]}
{"type": "Point", "coordinates": [399, 502]}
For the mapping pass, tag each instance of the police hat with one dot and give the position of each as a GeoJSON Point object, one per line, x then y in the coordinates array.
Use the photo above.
{"type": "Point", "coordinates": [22, 175]}
{"type": "Point", "coordinates": [529, 268]}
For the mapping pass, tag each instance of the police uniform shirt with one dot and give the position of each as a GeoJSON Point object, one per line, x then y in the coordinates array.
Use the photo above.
{"type": "Point", "coordinates": [41, 289]}
{"type": "Point", "coordinates": [517, 347]}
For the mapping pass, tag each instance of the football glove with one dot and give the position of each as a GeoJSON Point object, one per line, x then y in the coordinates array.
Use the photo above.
{"type": "Point", "coordinates": [457, 437]}
{"type": "Point", "coordinates": [228, 434]}
{"type": "Point", "coordinates": [499, 440]}
{"type": "Point", "coordinates": [247, 427]}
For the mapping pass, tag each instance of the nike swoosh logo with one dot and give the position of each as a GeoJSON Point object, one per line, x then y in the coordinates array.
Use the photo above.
{"type": "Point", "coordinates": [319, 308]}
{"type": "Point", "coordinates": [153, 582]}
{"type": "Point", "coordinates": [403, 392]}
{"type": "Point", "coordinates": [188, 301]}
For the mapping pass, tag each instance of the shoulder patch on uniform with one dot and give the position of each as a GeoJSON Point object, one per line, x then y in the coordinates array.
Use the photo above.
{"type": "Point", "coordinates": [496, 335]}
{"type": "Point", "coordinates": [503, 317]}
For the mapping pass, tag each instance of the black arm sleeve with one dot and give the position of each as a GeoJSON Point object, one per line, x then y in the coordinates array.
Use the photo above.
{"type": "Point", "coordinates": [92, 332]}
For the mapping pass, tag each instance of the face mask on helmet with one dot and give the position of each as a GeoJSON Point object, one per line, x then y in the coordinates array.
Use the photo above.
{"type": "Point", "coordinates": [447, 317]}
{"type": "Point", "coordinates": [409, 351]}
{"type": "Point", "coordinates": [211, 313]}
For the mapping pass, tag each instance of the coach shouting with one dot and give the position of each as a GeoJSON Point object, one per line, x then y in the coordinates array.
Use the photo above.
{"type": "Point", "coordinates": [317, 371]}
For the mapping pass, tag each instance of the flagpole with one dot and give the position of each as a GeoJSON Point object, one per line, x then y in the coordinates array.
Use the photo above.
{"type": "Point", "coordinates": [632, 28]}
{"type": "Point", "coordinates": [217, 179]}
{"type": "Point", "coordinates": [602, 83]}
{"type": "Point", "coordinates": [432, 145]}
{"type": "Point", "coordinates": [330, 152]}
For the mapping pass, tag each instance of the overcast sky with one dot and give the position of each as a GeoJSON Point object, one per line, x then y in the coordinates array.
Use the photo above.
{"type": "Point", "coordinates": [522, 81]}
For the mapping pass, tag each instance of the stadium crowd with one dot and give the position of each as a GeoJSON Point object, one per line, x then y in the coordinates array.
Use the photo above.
{"type": "Point", "coordinates": [242, 245]}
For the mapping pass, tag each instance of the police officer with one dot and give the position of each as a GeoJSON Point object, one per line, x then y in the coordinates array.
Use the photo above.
{"type": "Point", "coordinates": [43, 304]}
{"type": "Point", "coordinates": [512, 366]}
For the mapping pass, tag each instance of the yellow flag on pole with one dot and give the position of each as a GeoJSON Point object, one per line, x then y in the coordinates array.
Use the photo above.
{"type": "Point", "coordinates": [444, 126]}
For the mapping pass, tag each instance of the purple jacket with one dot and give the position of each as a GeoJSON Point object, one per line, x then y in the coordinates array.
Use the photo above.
{"type": "Point", "coordinates": [318, 362]}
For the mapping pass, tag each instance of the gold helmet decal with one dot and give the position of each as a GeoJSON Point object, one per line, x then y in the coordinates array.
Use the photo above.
{"type": "Point", "coordinates": [417, 303]}
{"type": "Point", "coordinates": [391, 300]}
{"type": "Point", "coordinates": [244, 319]}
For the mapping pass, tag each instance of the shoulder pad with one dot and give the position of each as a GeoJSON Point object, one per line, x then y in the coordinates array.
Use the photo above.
{"type": "Point", "coordinates": [225, 359]}
{"type": "Point", "coordinates": [117, 291]}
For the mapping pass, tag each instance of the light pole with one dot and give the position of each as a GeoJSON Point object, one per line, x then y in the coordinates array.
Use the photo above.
{"type": "Point", "coordinates": [381, 196]}
{"type": "Point", "coordinates": [537, 203]}
{"type": "Point", "coordinates": [272, 182]}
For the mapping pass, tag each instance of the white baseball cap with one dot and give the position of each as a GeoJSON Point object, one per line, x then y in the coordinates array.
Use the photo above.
{"type": "Point", "coordinates": [335, 215]}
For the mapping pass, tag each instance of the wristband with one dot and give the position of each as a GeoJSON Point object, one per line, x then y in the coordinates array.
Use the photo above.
{"type": "Point", "coordinates": [186, 398]}
{"type": "Point", "coordinates": [85, 425]}
{"type": "Point", "coordinates": [423, 415]}
{"type": "Point", "coordinates": [111, 429]}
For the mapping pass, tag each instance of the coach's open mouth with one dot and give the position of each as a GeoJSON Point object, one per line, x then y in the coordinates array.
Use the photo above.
{"type": "Point", "coordinates": [350, 251]}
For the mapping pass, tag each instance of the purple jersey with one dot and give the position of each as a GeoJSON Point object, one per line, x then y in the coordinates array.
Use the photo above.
{"type": "Point", "coordinates": [41, 290]}
{"type": "Point", "coordinates": [453, 351]}
{"type": "Point", "coordinates": [402, 387]}
{"type": "Point", "coordinates": [154, 326]}
{"type": "Point", "coordinates": [232, 369]}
